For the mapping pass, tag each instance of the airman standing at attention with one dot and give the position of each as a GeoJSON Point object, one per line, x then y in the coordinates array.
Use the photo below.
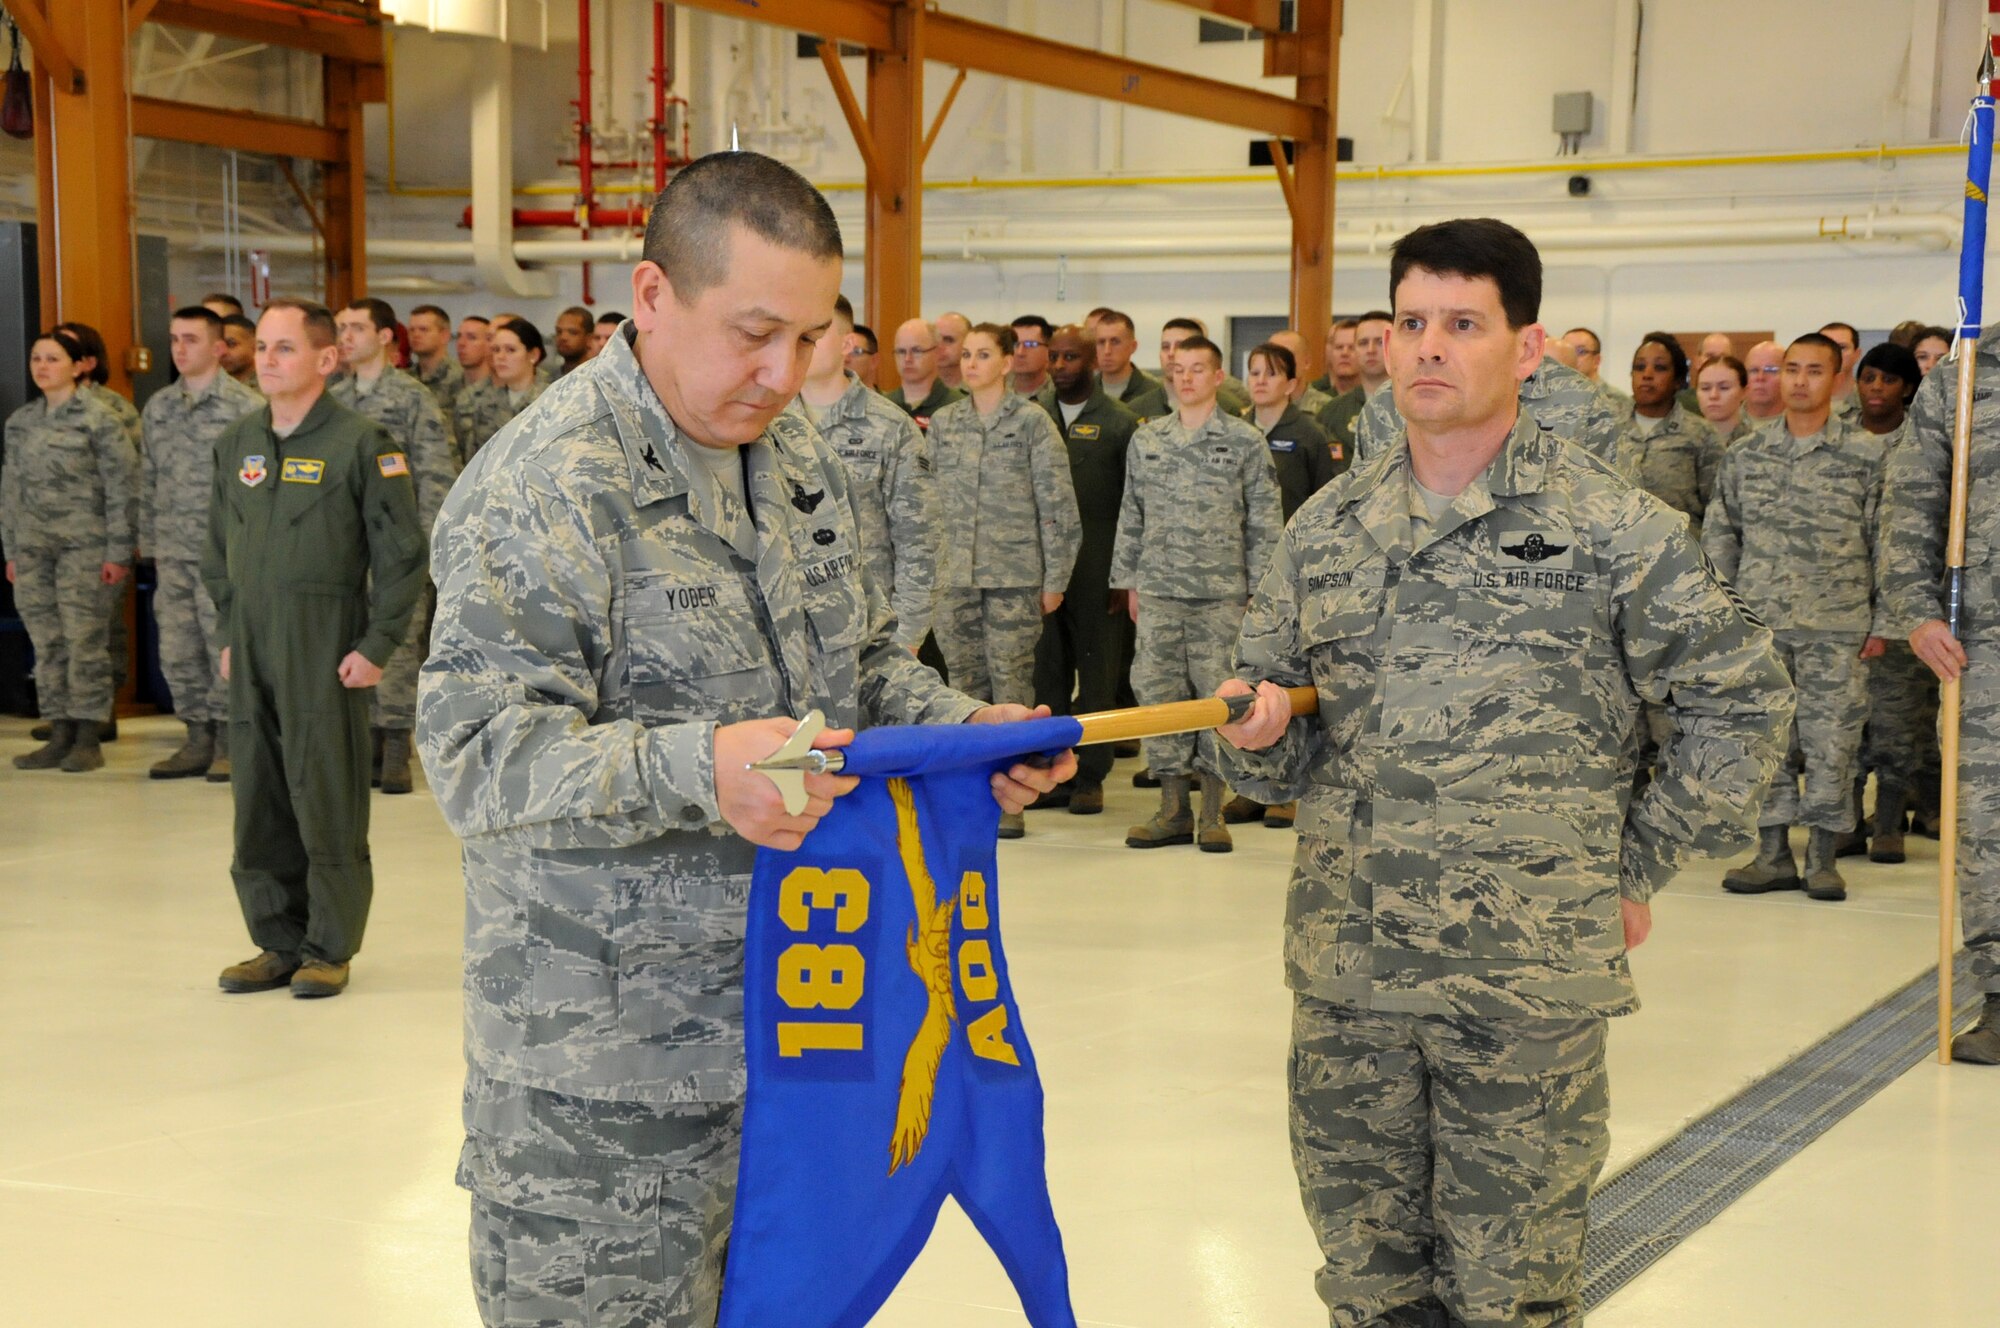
{"type": "Point", "coordinates": [1008, 530]}
{"type": "Point", "coordinates": [601, 332]}
{"type": "Point", "coordinates": [1123, 381]}
{"type": "Point", "coordinates": [1371, 332]}
{"type": "Point", "coordinates": [1031, 354]}
{"type": "Point", "coordinates": [1482, 611]}
{"type": "Point", "coordinates": [921, 393]}
{"type": "Point", "coordinates": [1199, 520]}
{"type": "Point", "coordinates": [239, 356]}
{"type": "Point", "coordinates": [1309, 399]}
{"type": "Point", "coordinates": [1793, 526]}
{"type": "Point", "coordinates": [951, 330]}
{"type": "Point", "coordinates": [182, 422]}
{"type": "Point", "coordinates": [315, 560]}
{"type": "Point", "coordinates": [410, 416]}
{"type": "Point", "coordinates": [572, 338]}
{"type": "Point", "coordinates": [1233, 397]}
{"type": "Point", "coordinates": [1343, 369]}
{"type": "Point", "coordinates": [1674, 452]}
{"type": "Point", "coordinates": [1076, 664]}
{"type": "Point", "coordinates": [431, 360]}
{"type": "Point", "coordinates": [894, 490]}
{"type": "Point", "coordinates": [636, 588]}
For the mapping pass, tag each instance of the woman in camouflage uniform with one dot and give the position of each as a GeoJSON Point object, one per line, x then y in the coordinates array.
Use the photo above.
{"type": "Point", "coordinates": [68, 496]}
{"type": "Point", "coordinates": [515, 354]}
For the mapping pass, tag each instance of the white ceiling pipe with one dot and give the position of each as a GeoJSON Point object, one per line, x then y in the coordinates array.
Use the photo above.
{"type": "Point", "coordinates": [492, 103]}
{"type": "Point", "coordinates": [1935, 229]}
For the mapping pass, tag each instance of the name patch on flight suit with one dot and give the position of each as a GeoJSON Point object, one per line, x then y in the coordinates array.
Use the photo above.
{"type": "Point", "coordinates": [392, 464]}
{"type": "Point", "coordinates": [1084, 430]}
{"type": "Point", "coordinates": [1283, 445]}
{"type": "Point", "coordinates": [300, 470]}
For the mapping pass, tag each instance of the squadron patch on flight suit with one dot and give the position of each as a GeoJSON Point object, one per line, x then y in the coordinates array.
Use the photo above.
{"type": "Point", "coordinates": [253, 472]}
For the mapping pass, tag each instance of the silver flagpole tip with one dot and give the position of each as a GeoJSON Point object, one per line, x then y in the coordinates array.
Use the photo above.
{"type": "Point", "coordinates": [735, 146]}
{"type": "Point", "coordinates": [1986, 66]}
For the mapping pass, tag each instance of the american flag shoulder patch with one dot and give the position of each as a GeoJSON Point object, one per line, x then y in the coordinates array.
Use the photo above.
{"type": "Point", "coordinates": [393, 464]}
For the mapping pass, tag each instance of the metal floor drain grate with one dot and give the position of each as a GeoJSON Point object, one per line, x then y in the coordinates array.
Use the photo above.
{"type": "Point", "coordinates": [1660, 1200]}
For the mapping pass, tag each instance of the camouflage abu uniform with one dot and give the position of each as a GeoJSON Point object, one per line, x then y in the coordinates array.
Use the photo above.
{"type": "Point", "coordinates": [179, 474]}
{"type": "Point", "coordinates": [1559, 398]}
{"type": "Point", "coordinates": [483, 409]}
{"type": "Point", "coordinates": [1675, 462]}
{"type": "Point", "coordinates": [1453, 934]}
{"type": "Point", "coordinates": [69, 494]}
{"type": "Point", "coordinates": [410, 416]}
{"type": "Point", "coordinates": [1792, 526]}
{"type": "Point", "coordinates": [118, 642]}
{"type": "Point", "coordinates": [895, 501]}
{"type": "Point", "coordinates": [601, 609]}
{"type": "Point", "coordinates": [1008, 533]}
{"type": "Point", "coordinates": [1900, 747]}
{"type": "Point", "coordinates": [446, 383]}
{"type": "Point", "coordinates": [1200, 518]}
{"type": "Point", "coordinates": [1918, 502]}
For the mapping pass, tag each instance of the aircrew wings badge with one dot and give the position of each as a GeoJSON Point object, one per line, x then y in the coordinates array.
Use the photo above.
{"type": "Point", "coordinates": [253, 472]}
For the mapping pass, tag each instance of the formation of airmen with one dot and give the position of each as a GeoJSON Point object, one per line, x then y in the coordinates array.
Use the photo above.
{"type": "Point", "coordinates": [1565, 638]}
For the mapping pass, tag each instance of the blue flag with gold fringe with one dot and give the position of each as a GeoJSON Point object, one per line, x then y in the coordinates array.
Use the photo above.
{"type": "Point", "coordinates": [888, 1063]}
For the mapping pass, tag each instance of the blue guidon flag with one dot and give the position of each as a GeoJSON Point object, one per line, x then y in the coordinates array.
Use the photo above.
{"type": "Point", "coordinates": [888, 1063]}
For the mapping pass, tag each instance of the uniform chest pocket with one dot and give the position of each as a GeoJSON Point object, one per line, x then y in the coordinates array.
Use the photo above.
{"type": "Point", "coordinates": [1343, 616]}
{"type": "Point", "coordinates": [1539, 612]}
{"type": "Point", "coordinates": [695, 649]}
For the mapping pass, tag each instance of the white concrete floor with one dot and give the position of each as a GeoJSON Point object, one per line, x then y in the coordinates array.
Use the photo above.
{"type": "Point", "coordinates": [173, 1156]}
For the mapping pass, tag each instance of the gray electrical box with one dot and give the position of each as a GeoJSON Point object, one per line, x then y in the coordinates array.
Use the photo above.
{"type": "Point", "coordinates": [1572, 113]}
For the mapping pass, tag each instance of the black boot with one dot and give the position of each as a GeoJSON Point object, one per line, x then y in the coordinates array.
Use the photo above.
{"type": "Point", "coordinates": [1887, 844]}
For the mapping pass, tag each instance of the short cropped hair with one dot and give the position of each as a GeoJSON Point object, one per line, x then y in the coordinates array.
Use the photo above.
{"type": "Point", "coordinates": [223, 297]}
{"type": "Point", "coordinates": [1183, 325]}
{"type": "Point", "coordinates": [1898, 362]}
{"type": "Point", "coordinates": [1671, 344]}
{"type": "Point", "coordinates": [1375, 316]}
{"type": "Point", "coordinates": [1341, 323]}
{"type": "Point", "coordinates": [434, 311]}
{"type": "Point", "coordinates": [199, 313]}
{"type": "Point", "coordinates": [843, 310]}
{"type": "Point", "coordinates": [1276, 356]}
{"type": "Point", "coordinates": [1848, 328]}
{"type": "Point", "coordinates": [610, 317]}
{"type": "Point", "coordinates": [243, 321]}
{"type": "Point", "coordinates": [578, 311]}
{"type": "Point", "coordinates": [1820, 339]}
{"type": "Point", "coordinates": [1003, 336]}
{"type": "Point", "coordinates": [481, 319]}
{"type": "Point", "coordinates": [688, 232]}
{"type": "Point", "coordinates": [1473, 248]}
{"type": "Point", "coordinates": [868, 339]}
{"type": "Point", "coordinates": [1097, 313]}
{"type": "Point", "coordinates": [1036, 321]}
{"type": "Point", "coordinates": [1731, 363]}
{"type": "Point", "coordinates": [380, 315]}
{"type": "Point", "coordinates": [1123, 320]}
{"type": "Point", "coordinates": [1204, 344]}
{"type": "Point", "coordinates": [1596, 342]}
{"type": "Point", "coordinates": [320, 328]}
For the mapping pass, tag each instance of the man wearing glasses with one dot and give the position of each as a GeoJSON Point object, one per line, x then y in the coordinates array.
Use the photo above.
{"type": "Point", "coordinates": [923, 393]}
{"type": "Point", "coordinates": [1031, 353]}
{"type": "Point", "coordinates": [1763, 397]}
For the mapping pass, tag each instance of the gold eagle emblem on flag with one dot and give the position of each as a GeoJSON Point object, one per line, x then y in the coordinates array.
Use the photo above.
{"type": "Point", "coordinates": [928, 943]}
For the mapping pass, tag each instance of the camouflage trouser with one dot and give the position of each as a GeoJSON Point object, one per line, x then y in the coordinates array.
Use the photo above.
{"type": "Point", "coordinates": [1902, 720]}
{"type": "Point", "coordinates": [395, 703]}
{"type": "Point", "coordinates": [60, 595]}
{"type": "Point", "coordinates": [988, 640]}
{"type": "Point", "coordinates": [1979, 811]}
{"type": "Point", "coordinates": [118, 637]}
{"type": "Point", "coordinates": [1185, 651]}
{"type": "Point", "coordinates": [190, 643]}
{"type": "Point", "coordinates": [1446, 1162]}
{"type": "Point", "coordinates": [590, 1214]}
{"type": "Point", "coordinates": [1831, 681]}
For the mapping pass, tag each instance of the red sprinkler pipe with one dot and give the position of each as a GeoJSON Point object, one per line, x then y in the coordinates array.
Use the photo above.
{"type": "Point", "coordinates": [584, 152]}
{"type": "Point", "coordinates": [556, 218]}
{"type": "Point", "coordinates": [660, 20]}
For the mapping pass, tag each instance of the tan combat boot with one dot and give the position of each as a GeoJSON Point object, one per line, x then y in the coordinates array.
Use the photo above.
{"type": "Point", "coordinates": [1887, 845]}
{"type": "Point", "coordinates": [62, 736]}
{"type": "Point", "coordinates": [396, 761]}
{"type": "Point", "coordinates": [1980, 1044]}
{"type": "Point", "coordinates": [1774, 867]}
{"type": "Point", "coordinates": [1281, 815]}
{"type": "Point", "coordinates": [1823, 878]}
{"type": "Point", "coordinates": [1239, 810]}
{"type": "Point", "coordinates": [317, 977]}
{"type": "Point", "coordinates": [1172, 824]}
{"type": "Point", "coordinates": [1012, 825]}
{"type": "Point", "coordinates": [267, 972]}
{"type": "Point", "coordinates": [218, 769]}
{"type": "Point", "coordinates": [1211, 835]}
{"type": "Point", "coordinates": [1086, 800]}
{"type": "Point", "coordinates": [84, 754]}
{"type": "Point", "coordinates": [194, 756]}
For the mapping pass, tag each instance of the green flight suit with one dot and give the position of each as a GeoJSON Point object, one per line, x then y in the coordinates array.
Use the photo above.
{"type": "Point", "coordinates": [1143, 395]}
{"type": "Point", "coordinates": [1077, 661]}
{"type": "Point", "coordinates": [1301, 455]}
{"type": "Point", "coordinates": [314, 550]}
{"type": "Point", "coordinates": [934, 401]}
